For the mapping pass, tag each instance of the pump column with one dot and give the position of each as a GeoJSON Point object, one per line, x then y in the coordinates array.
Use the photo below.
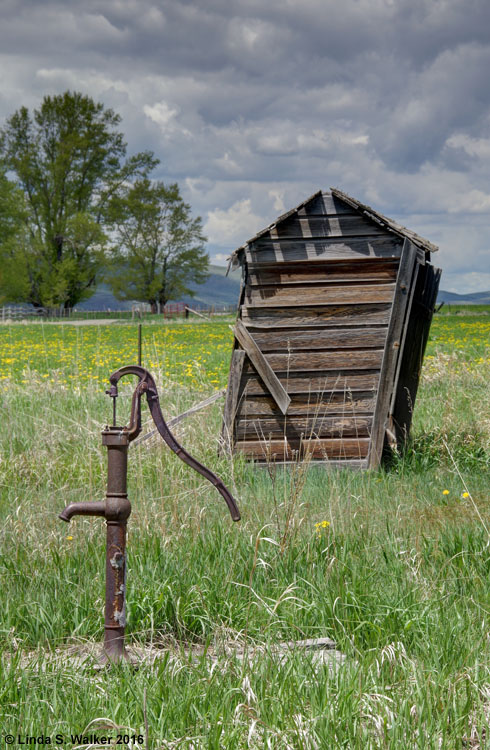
{"type": "Point", "coordinates": [118, 510]}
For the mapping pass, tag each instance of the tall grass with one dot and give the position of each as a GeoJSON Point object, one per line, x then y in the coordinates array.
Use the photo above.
{"type": "Point", "coordinates": [398, 578]}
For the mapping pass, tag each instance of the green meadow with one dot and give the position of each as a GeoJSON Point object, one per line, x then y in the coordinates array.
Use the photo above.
{"type": "Point", "coordinates": [393, 565]}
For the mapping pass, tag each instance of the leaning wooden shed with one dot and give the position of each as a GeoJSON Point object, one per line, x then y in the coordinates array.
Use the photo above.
{"type": "Point", "coordinates": [333, 319]}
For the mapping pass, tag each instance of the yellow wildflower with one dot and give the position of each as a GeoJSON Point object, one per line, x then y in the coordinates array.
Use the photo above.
{"type": "Point", "coordinates": [321, 525]}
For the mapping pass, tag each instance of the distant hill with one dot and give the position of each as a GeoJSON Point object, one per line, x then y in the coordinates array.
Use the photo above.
{"type": "Point", "coordinates": [475, 298]}
{"type": "Point", "coordinates": [219, 289]}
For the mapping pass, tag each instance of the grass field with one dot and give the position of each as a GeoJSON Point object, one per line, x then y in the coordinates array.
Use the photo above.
{"type": "Point", "coordinates": [393, 565]}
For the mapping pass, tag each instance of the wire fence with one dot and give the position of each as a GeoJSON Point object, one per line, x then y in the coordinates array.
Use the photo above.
{"type": "Point", "coordinates": [12, 313]}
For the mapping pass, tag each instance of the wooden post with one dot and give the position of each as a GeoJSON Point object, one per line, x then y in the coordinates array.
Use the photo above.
{"type": "Point", "coordinates": [231, 403]}
{"type": "Point", "coordinates": [410, 363]}
{"type": "Point", "coordinates": [392, 351]}
{"type": "Point", "coordinates": [264, 369]}
{"type": "Point", "coordinates": [196, 313]}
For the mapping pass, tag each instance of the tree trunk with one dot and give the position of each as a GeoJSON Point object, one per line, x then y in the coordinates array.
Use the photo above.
{"type": "Point", "coordinates": [153, 307]}
{"type": "Point", "coordinates": [58, 244]}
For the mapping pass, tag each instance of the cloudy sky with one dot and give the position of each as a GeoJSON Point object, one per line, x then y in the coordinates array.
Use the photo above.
{"type": "Point", "coordinates": [252, 105]}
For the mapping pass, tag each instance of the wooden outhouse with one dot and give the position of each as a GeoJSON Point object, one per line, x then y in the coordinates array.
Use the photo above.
{"type": "Point", "coordinates": [333, 319]}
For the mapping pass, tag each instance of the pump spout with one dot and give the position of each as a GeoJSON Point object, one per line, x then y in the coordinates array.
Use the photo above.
{"type": "Point", "coordinates": [83, 509]}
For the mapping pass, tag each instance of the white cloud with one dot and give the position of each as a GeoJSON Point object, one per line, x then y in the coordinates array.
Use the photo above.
{"type": "Point", "coordinates": [479, 147]}
{"type": "Point", "coordinates": [228, 164]}
{"type": "Point", "coordinates": [278, 196]}
{"type": "Point", "coordinates": [161, 113]}
{"type": "Point", "coordinates": [469, 282]}
{"type": "Point", "coordinates": [233, 226]}
{"type": "Point", "coordinates": [253, 106]}
{"type": "Point", "coordinates": [220, 259]}
{"type": "Point", "coordinates": [472, 202]}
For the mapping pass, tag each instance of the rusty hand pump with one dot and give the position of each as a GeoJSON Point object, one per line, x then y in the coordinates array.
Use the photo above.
{"type": "Point", "coordinates": [116, 508]}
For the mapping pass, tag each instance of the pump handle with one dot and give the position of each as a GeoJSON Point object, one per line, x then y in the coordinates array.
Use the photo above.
{"type": "Point", "coordinates": [147, 385]}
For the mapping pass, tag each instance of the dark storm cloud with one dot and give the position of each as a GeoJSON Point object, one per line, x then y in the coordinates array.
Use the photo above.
{"type": "Point", "coordinates": [451, 95]}
{"type": "Point", "coordinates": [252, 105]}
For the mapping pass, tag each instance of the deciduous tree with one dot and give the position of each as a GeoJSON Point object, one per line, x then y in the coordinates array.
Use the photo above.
{"type": "Point", "coordinates": [69, 160]}
{"type": "Point", "coordinates": [160, 247]}
{"type": "Point", "coordinates": [14, 283]}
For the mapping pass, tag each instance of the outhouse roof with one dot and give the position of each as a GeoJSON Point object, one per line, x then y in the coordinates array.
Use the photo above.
{"type": "Point", "coordinates": [379, 218]}
{"type": "Point", "coordinates": [383, 221]}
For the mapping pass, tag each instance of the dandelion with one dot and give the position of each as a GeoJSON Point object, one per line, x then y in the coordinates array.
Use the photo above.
{"type": "Point", "coordinates": [465, 494]}
{"type": "Point", "coordinates": [445, 492]}
{"type": "Point", "coordinates": [70, 538]}
{"type": "Point", "coordinates": [321, 525]}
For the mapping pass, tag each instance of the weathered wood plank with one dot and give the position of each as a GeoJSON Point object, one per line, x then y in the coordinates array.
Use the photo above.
{"type": "Point", "coordinates": [420, 243]}
{"type": "Point", "coordinates": [327, 271]}
{"type": "Point", "coordinates": [313, 385]}
{"type": "Point", "coordinates": [331, 360]}
{"type": "Point", "coordinates": [270, 251]}
{"type": "Point", "coordinates": [417, 333]}
{"type": "Point", "coordinates": [392, 350]}
{"type": "Point", "coordinates": [231, 403]}
{"type": "Point", "coordinates": [308, 404]}
{"type": "Point", "coordinates": [262, 366]}
{"type": "Point", "coordinates": [307, 427]}
{"type": "Point", "coordinates": [278, 339]}
{"type": "Point", "coordinates": [332, 225]}
{"type": "Point", "coordinates": [287, 450]}
{"type": "Point", "coordinates": [351, 464]}
{"type": "Point", "coordinates": [299, 296]}
{"type": "Point", "coordinates": [325, 203]}
{"type": "Point", "coordinates": [403, 336]}
{"type": "Point", "coordinates": [333, 315]}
